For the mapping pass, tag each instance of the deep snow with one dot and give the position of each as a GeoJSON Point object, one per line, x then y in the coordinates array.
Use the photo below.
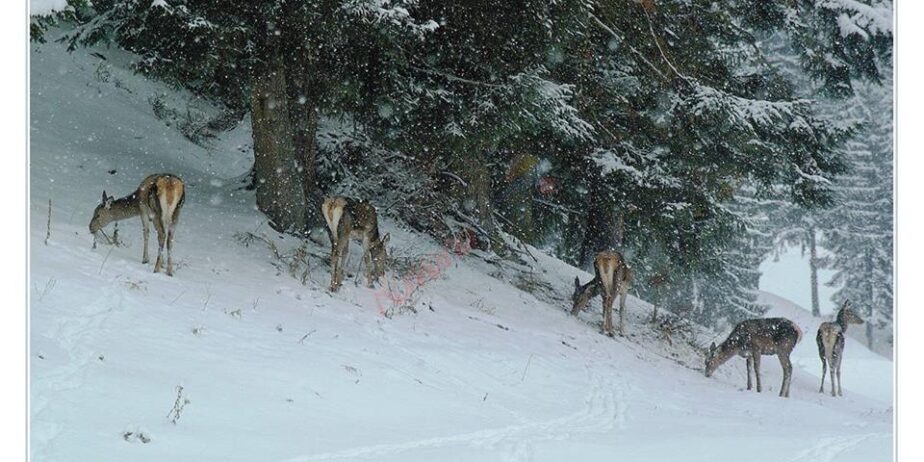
{"type": "Point", "coordinates": [277, 371]}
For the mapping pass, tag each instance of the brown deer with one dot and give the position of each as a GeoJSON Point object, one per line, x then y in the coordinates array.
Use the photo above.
{"type": "Point", "coordinates": [348, 218]}
{"type": "Point", "coordinates": [830, 340]}
{"type": "Point", "coordinates": [755, 337]}
{"type": "Point", "coordinates": [159, 198]}
{"type": "Point", "coordinates": [613, 276]}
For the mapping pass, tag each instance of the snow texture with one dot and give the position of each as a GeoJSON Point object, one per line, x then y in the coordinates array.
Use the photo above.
{"type": "Point", "coordinates": [231, 360]}
{"type": "Point", "coordinates": [41, 7]}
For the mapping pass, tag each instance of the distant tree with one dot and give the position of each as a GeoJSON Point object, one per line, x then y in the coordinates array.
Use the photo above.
{"type": "Point", "coordinates": [859, 229]}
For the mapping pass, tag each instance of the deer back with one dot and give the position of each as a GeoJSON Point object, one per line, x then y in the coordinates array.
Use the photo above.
{"type": "Point", "coordinates": [612, 271]}
{"type": "Point", "coordinates": [163, 194]}
{"type": "Point", "coordinates": [767, 335]}
{"type": "Point", "coordinates": [348, 217]}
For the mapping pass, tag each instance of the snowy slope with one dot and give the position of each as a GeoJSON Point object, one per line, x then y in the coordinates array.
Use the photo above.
{"type": "Point", "coordinates": [274, 370]}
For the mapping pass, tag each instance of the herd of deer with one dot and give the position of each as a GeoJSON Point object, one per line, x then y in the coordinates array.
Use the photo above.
{"type": "Point", "coordinates": [160, 197]}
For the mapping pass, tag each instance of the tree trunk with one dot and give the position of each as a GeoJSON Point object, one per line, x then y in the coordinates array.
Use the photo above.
{"type": "Point", "coordinates": [813, 265]}
{"type": "Point", "coordinates": [279, 191]}
{"type": "Point", "coordinates": [477, 202]}
{"type": "Point", "coordinates": [871, 297]}
{"type": "Point", "coordinates": [604, 229]}
{"type": "Point", "coordinates": [302, 94]}
{"type": "Point", "coordinates": [517, 200]}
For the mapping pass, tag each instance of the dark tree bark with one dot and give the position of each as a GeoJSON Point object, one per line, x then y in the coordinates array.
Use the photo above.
{"type": "Point", "coordinates": [604, 228]}
{"type": "Point", "coordinates": [303, 94]}
{"type": "Point", "coordinates": [517, 202]}
{"type": "Point", "coordinates": [476, 196]}
{"type": "Point", "coordinates": [278, 181]}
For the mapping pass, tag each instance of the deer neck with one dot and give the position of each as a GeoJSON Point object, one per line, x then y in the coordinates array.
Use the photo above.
{"type": "Point", "coordinates": [726, 351]}
{"type": "Point", "coordinates": [125, 207]}
{"type": "Point", "coordinates": [841, 322]}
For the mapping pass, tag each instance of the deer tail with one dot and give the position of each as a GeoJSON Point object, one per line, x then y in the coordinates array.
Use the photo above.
{"type": "Point", "coordinates": [607, 278]}
{"type": "Point", "coordinates": [332, 209]}
{"type": "Point", "coordinates": [169, 192]}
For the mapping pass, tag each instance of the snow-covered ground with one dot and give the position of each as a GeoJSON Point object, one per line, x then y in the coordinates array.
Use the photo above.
{"type": "Point", "coordinates": [274, 370]}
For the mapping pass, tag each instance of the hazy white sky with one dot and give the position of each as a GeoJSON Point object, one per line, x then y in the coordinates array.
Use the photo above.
{"type": "Point", "coordinates": [788, 277]}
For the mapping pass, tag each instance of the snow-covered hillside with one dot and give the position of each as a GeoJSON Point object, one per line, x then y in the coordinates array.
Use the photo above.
{"type": "Point", "coordinates": [274, 370]}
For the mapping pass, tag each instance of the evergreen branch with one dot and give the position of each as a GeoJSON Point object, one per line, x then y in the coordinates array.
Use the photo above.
{"type": "Point", "coordinates": [634, 50]}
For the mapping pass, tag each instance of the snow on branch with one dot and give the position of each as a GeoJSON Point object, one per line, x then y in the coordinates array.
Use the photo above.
{"type": "Point", "coordinates": [859, 18]}
{"type": "Point", "coordinates": [551, 102]}
{"type": "Point", "coordinates": [752, 113]}
{"type": "Point", "coordinates": [393, 12]}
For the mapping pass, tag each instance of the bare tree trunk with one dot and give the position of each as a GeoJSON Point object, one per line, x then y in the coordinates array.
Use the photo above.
{"type": "Point", "coordinates": [870, 311]}
{"type": "Point", "coordinates": [813, 265]}
{"type": "Point", "coordinates": [279, 190]}
{"type": "Point", "coordinates": [302, 94]}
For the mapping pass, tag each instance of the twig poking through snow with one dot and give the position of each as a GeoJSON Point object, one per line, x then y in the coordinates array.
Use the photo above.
{"type": "Point", "coordinates": [524, 370]}
{"type": "Point", "coordinates": [104, 261]}
{"type": "Point", "coordinates": [302, 340]}
{"type": "Point", "coordinates": [178, 405]}
{"type": "Point", "coordinates": [48, 226]}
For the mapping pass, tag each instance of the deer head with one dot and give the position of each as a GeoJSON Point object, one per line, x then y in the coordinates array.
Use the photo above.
{"type": "Point", "coordinates": [581, 295]}
{"type": "Point", "coordinates": [848, 316]}
{"type": "Point", "coordinates": [379, 256]}
{"type": "Point", "coordinates": [102, 215]}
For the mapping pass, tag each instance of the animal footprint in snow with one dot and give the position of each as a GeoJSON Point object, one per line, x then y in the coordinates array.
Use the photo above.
{"type": "Point", "coordinates": [136, 436]}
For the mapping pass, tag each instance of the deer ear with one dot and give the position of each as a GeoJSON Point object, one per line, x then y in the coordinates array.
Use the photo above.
{"type": "Point", "coordinates": [385, 238]}
{"type": "Point", "coordinates": [712, 348]}
{"type": "Point", "coordinates": [103, 200]}
{"type": "Point", "coordinates": [577, 283]}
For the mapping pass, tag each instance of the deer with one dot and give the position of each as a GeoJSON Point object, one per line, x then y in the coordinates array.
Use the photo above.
{"type": "Point", "coordinates": [753, 338]}
{"type": "Point", "coordinates": [613, 276]}
{"type": "Point", "coordinates": [350, 218]}
{"type": "Point", "coordinates": [158, 199]}
{"type": "Point", "coordinates": [830, 340]}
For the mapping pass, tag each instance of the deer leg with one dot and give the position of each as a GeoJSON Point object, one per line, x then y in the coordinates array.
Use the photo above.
{"type": "Point", "coordinates": [334, 263]}
{"type": "Point", "coordinates": [756, 359]}
{"type": "Point", "coordinates": [840, 391]}
{"type": "Point", "coordinates": [366, 261]}
{"type": "Point", "coordinates": [161, 238]}
{"type": "Point", "coordinates": [824, 371]}
{"type": "Point", "coordinates": [750, 363]}
{"type": "Point", "coordinates": [832, 366]}
{"type": "Point", "coordinates": [170, 232]}
{"type": "Point", "coordinates": [622, 312]}
{"type": "Point", "coordinates": [170, 250]}
{"type": "Point", "coordinates": [608, 314]}
{"type": "Point", "coordinates": [787, 375]}
{"type": "Point", "coordinates": [344, 253]}
{"type": "Point", "coordinates": [146, 231]}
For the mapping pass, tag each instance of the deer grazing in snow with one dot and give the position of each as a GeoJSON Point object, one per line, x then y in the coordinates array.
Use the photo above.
{"type": "Point", "coordinates": [348, 218]}
{"type": "Point", "coordinates": [830, 341]}
{"type": "Point", "coordinates": [613, 276]}
{"type": "Point", "coordinates": [158, 199]}
{"type": "Point", "coordinates": [755, 337]}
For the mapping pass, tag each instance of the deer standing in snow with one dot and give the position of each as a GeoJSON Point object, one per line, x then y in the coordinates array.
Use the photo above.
{"type": "Point", "coordinates": [348, 218]}
{"type": "Point", "coordinates": [830, 340]}
{"type": "Point", "coordinates": [158, 199]}
{"type": "Point", "coordinates": [613, 276]}
{"type": "Point", "coordinates": [755, 337]}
